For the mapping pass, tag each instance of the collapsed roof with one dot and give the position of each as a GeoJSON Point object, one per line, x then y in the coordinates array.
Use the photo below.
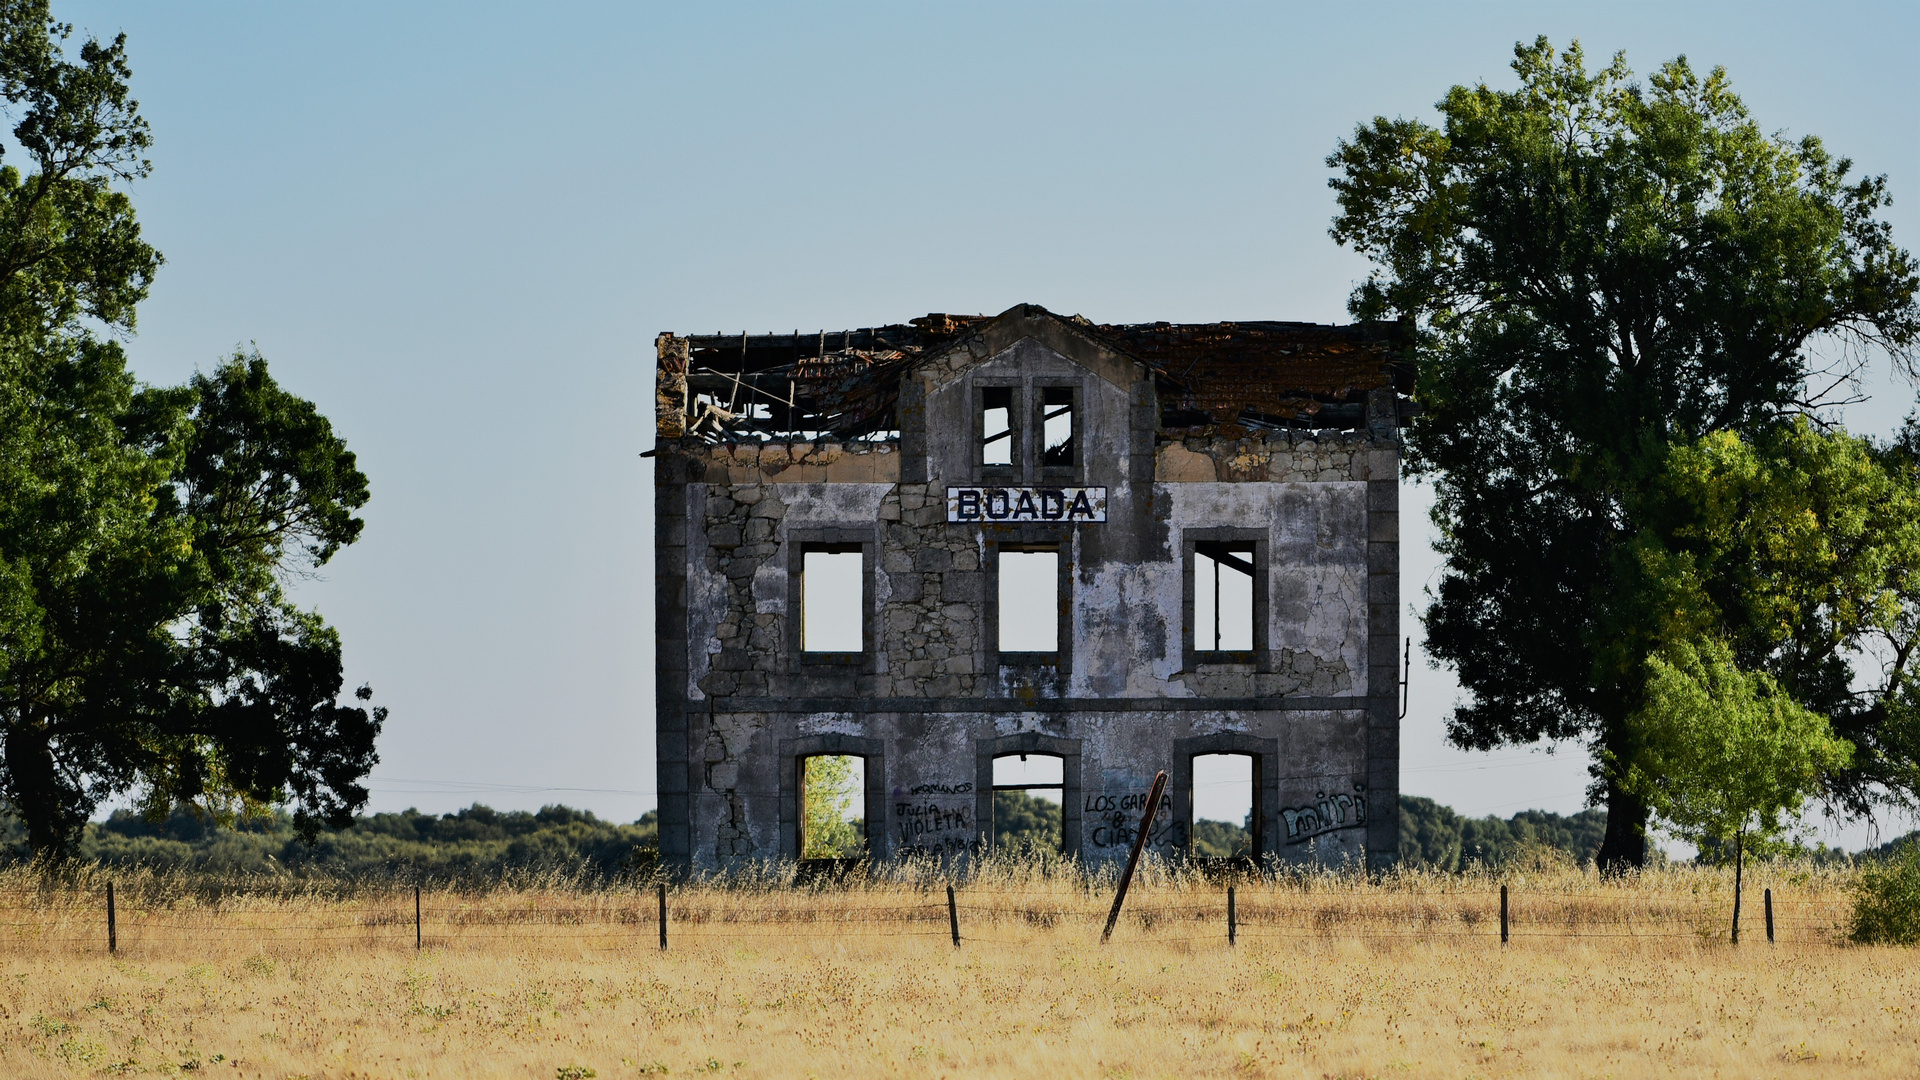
{"type": "Point", "coordinates": [1211, 378]}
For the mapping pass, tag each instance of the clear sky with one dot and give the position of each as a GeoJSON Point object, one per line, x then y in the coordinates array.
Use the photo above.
{"type": "Point", "coordinates": [458, 227]}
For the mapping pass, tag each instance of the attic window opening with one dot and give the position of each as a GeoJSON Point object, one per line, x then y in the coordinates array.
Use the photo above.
{"type": "Point", "coordinates": [1057, 427]}
{"type": "Point", "coordinates": [996, 426]}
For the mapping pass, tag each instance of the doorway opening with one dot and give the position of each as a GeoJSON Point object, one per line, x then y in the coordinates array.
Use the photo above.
{"type": "Point", "coordinates": [1028, 815]}
{"type": "Point", "coordinates": [1226, 807]}
{"type": "Point", "coordinates": [833, 826]}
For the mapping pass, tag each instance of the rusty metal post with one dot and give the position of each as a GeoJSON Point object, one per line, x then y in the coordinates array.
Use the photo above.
{"type": "Point", "coordinates": [113, 932]}
{"type": "Point", "coordinates": [1503, 914]}
{"type": "Point", "coordinates": [1769, 899]}
{"type": "Point", "coordinates": [1233, 922]}
{"type": "Point", "coordinates": [663, 916]}
{"type": "Point", "coordinates": [953, 917]}
{"type": "Point", "coordinates": [1133, 857]}
{"type": "Point", "coordinates": [416, 918]}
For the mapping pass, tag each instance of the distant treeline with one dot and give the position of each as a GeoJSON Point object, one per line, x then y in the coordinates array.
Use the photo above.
{"type": "Point", "coordinates": [476, 842]}
{"type": "Point", "coordinates": [481, 842]}
{"type": "Point", "coordinates": [1434, 837]}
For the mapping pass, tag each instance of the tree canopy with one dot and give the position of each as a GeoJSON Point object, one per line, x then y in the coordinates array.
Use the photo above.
{"type": "Point", "coordinates": [147, 643]}
{"type": "Point", "coordinates": [1592, 271]}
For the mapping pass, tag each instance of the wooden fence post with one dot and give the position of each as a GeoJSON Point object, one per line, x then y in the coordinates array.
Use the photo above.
{"type": "Point", "coordinates": [113, 932]}
{"type": "Point", "coordinates": [1233, 922]}
{"type": "Point", "coordinates": [416, 918]}
{"type": "Point", "coordinates": [1133, 858]}
{"type": "Point", "coordinates": [1769, 899]}
{"type": "Point", "coordinates": [1503, 915]}
{"type": "Point", "coordinates": [953, 917]}
{"type": "Point", "coordinates": [663, 916]}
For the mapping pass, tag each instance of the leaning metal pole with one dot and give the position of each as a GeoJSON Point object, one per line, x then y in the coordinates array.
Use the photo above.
{"type": "Point", "coordinates": [1133, 858]}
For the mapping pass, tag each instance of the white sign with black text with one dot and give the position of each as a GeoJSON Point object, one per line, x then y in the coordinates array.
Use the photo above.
{"type": "Point", "coordinates": [1010, 504]}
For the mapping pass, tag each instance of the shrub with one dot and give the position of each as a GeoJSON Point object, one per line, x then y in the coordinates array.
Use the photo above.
{"type": "Point", "coordinates": [1886, 900]}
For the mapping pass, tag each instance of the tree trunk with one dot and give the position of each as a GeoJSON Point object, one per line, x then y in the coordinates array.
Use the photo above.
{"type": "Point", "coordinates": [1739, 853]}
{"type": "Point", "coordinates": [1625, 846]}
{"type": "Point", "coordinates": [33, 788]}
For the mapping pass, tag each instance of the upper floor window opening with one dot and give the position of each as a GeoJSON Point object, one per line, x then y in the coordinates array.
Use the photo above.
{"type": "Point", "coordinates": [832, 599]}
{"type": "Point", "coordinates": [1223, 579]}
{"type": "Point", "coordinates": [1029, 600]}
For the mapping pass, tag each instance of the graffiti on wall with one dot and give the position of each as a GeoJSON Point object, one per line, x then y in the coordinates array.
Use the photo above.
{"type": "Point", "coordinates": [1325, 814]}
{"type": "Point", "coordinates": [929, 820]}
{"type": "Point", "coordinates": [1112, 820]}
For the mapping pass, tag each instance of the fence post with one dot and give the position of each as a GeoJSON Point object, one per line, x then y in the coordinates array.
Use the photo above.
{"type": "Point", "coordinates": [1503, 915]}
{"type": "Point", "coordinates": [953, 917]}
{"type": "Point", "coordinates": [113, 932]}
{"type": "Point", "coordinates": [1769, 899]}
{"type": "Point", "coordinates": [1133, 859]}
{"type": "Point", "coordinates": [416, 918]}
{"type": "Point", "coordinates": [1233, 921]}
{"type": "Point", "coordinates": [663, 916]}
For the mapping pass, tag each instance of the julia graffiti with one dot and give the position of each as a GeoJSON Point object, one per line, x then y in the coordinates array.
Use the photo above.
{"type": "Point", "coordinates": [917, 819]}
{"type": "Point", "coordinates": [1327, 813]}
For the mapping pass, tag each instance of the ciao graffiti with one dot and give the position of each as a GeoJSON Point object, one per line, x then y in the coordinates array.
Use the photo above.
{"type": "Point", "coordinates": [1112, 821]}
{"type": "Point", "coordinates": [1026, 504]}
{"type": "Point", "coordinates": [1327, 813]}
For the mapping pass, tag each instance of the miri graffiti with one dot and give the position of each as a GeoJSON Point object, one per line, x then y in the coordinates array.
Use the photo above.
{"type": "Point", "coordinates": [1327, 813]}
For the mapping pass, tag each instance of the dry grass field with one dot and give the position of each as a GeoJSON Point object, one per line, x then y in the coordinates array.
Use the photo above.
{"type": "Point", "coordinates": [1332, 976]}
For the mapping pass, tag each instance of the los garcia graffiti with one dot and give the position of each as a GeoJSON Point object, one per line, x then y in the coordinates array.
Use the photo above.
{"type": "Point", "coordinates": [1327, 813]}
{"type": "Point", "coordinates": [1112, 820]}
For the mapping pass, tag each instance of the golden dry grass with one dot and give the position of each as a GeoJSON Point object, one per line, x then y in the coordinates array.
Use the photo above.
{"type": "Point", "coordinates": [1333, 976]}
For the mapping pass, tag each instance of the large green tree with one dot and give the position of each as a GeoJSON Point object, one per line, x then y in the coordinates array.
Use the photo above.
{"type": "Point", "coordinates": [146, 640]}
{"type": "Point", "coordinates": [1593, 270]}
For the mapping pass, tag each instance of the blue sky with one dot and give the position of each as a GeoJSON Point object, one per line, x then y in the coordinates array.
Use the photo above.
{"type": "Point", "coordinates": [458, 227]}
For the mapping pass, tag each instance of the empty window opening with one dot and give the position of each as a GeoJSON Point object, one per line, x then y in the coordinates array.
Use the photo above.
{"type": "Point", "coordinates": [996, 425]}
{"type": "Point", "coordinates": [1224, 814]}
{"type": "Point", "coordinates": [1222, 596]}
{"type": "Point", "coordinates": [832, 599]}
{"type": "Point", "coordinates": [833, 807]}
{"type": "Point", "coordinates": [1029, 600]}
{"type": "Point", "coordinates": [1027, 793]}
{"type": "Point", "coordinates": [1056, 426]}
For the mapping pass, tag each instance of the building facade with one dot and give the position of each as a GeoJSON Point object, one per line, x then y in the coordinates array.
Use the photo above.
{"type": "Point", "coordinates": [936, 545]}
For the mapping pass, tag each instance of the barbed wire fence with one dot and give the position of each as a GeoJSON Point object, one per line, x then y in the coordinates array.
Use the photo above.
{"type": "Point", "coordinates": [968, 914]}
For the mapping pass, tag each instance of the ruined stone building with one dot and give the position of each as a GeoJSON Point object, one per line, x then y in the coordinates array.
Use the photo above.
{"type": "Point", "coordinates": [1111, 549]}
